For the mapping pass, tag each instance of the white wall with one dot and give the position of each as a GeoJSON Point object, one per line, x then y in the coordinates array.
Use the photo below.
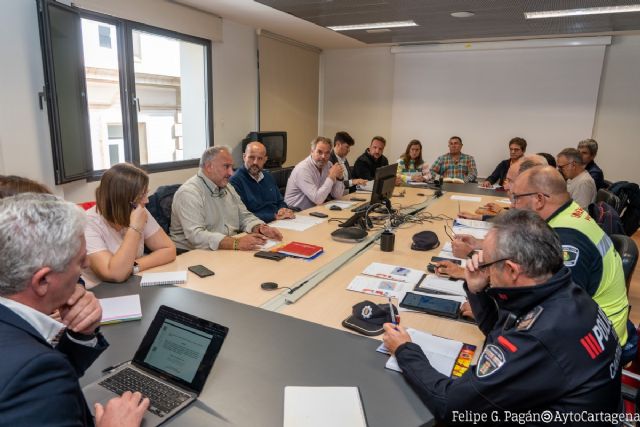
{"type": "Point", "coordinates": [617, 125]}
{"type": "Point", "coordinates": [25, 147]}
{"type": "Point", "coordinates": [358, 94]}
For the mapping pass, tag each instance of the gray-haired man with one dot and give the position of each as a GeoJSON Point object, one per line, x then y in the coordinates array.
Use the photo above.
{"type": "Point", "coordinates": [207, 212]}
{"type": "Point", "coordinates": [43, 253]}
{"type": "Point", "coordinates": [549, 348]}
{"type": "Point", "coordinates": [580, 184]}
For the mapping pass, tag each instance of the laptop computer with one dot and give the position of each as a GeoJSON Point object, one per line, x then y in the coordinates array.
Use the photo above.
{"type": "Point", "coordinates": [170, 366]}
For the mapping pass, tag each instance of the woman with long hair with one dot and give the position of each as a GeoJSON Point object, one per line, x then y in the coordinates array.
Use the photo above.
{"type": "Point", "coordinates": [411, 167]}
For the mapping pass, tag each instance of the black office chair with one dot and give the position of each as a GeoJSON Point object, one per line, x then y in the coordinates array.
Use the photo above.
{"type": "Point", "coordinates": [609, 198]}
{"type": "Point", "coordinates": [628, 251]}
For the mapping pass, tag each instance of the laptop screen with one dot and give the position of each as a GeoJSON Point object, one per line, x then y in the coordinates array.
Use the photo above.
{"type": "Point", "coordinates": [181, 347]}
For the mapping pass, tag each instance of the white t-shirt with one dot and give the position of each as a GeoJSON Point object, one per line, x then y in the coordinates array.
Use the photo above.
{"type": "Point", "coordinates": [101, 236]}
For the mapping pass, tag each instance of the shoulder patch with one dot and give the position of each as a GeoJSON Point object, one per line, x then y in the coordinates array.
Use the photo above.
{"type": "Point", "coordinates": [491, 359]}
{"type": "Point", "coordinates": [526, 322]}
{"type": "Point", "coordinates": [570, 255]}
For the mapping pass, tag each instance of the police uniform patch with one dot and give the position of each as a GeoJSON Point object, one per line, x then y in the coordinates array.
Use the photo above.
{"type": "Point", "coordinates": [526, 322]}
{"type": "Point", "coordinates": [491, 359]}
{"type": "Point", "coordinates": [570, 255]}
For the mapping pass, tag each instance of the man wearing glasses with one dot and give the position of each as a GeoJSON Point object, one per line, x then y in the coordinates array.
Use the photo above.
{"type": "Point", "coordinates": [580, 184]}
{"type": "Point", "coordinates": [534, 360]}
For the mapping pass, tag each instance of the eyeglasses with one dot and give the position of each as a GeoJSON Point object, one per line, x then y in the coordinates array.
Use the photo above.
{"type": "Point", "coordinates": [486, 265]}
{"type": "Point", "coordinates": [560, 167]}
{"type": "Point", "coordinates": [514, 197]}
{"type": "Point", "coordinates": [451, 235]}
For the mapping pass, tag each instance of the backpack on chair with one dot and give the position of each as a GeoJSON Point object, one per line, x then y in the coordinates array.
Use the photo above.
{"type": "Point", "coordinates": [629, 194]}
{"type": "Point", "coordinates": [606, 217]}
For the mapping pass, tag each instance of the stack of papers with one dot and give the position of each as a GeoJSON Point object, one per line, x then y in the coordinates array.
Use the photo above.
{"type": "Point", "coordinates": [120, 309]}
{"type": "Point", "coordinates": [449, 357]}
{"type": "Point", "coordinates": [386, 280]}
{"type": "Point", "coordinates": [440, 285]}
{"type": "Point", "coordinates": [323, 406]}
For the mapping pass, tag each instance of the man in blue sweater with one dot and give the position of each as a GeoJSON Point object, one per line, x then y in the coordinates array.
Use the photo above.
{"type": "Point", "coordinates": [257, 188]}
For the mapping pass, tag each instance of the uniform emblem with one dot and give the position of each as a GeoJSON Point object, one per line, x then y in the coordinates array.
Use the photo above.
{"type": "Point", "coordinates": [570, 255]}
{"type": "Point", "coordinates": [525, 323]}
{"type": "Point", "coordinates": [366, 312]}
{"type": "Point", "coordinates": [491, 359]}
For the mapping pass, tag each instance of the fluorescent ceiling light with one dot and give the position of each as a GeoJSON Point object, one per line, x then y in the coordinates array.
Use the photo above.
{"type": "Point", "coordinates": [373, 26]}
{"type": "Point", "coordinates": [585, 11]}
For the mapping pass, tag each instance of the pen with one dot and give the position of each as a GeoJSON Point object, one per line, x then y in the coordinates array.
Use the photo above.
{"type": "Point", "coordinates": [111, 368]}
{"type": "Point", "coordinates": [458, 206]}
{"type": "Point", "coordinates": [393, 314]}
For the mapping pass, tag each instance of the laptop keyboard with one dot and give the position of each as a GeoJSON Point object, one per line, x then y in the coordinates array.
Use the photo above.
{"type": "Point", "coordinates": [163, 398]}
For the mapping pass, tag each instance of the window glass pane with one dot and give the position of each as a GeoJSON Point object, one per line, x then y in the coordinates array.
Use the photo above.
{"type": "Point", "coordinates": [171, 87]}
{"type": "Point", "coordinates": [103, 92]}
{"type": "Point", "coordinates": [68, 107]}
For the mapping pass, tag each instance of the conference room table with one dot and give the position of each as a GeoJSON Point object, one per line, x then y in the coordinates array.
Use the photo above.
{"type": "Point", "coordinates": [263, 353]}
{"type": "Point", "coordinates": [300, 343]}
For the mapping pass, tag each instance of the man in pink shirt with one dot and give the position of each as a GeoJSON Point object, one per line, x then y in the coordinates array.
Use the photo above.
{"type": "Point", "coordinates": [314, 178]}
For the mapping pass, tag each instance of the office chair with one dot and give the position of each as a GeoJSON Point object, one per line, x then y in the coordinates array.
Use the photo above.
{"type": "Point", "coordinates": [628, 251]}
{"type": "Point", "coordinates": [609, 198]}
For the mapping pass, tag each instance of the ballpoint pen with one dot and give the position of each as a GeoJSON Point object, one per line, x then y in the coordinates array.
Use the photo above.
{"type": "Point", "coordinates": [392, 313]}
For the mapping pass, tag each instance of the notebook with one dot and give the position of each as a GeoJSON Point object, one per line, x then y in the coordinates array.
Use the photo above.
{"type": "Point", "coordinates": [120, 309]}
{"type": "Point", "coordinates": [309, 407]}
{"type": "Point", "coordinates": [170, 366]}
{"type": "Point", "coordinates": [301, 250]}
{"type": "Point", "coordinates": [165, 278]}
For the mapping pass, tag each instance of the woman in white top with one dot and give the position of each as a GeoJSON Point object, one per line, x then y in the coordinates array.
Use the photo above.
{"type": "Point", "coordinates": [119, 227]}
{"type": "Point", "coordinates": [411, 167]}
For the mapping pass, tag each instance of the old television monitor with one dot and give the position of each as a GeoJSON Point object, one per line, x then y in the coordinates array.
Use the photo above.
{"type": "Point", "coordinates": [274, 142]}
{"type": "Point", "coordinates": [384, 184]}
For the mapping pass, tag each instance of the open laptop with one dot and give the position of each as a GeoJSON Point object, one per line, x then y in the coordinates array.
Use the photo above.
{"type": "Point", "coordinates": [170, 366]}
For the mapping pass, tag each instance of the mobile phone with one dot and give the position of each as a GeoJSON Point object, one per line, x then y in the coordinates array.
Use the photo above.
{"type": "Point", "coordinates": [431, 305]}
{"type": "Point", "coordinates": [273, 256]}
{"type": "Point", "coordinates": [440, 259]}
{"type": "Point", "coordinates": [201, 271]}
{"type": "Point", "coordinates": [431, 268]}
{"type": "Point", "coordinates": [318, 214]}
{"type": "Point", "coordinates": [357, 199]}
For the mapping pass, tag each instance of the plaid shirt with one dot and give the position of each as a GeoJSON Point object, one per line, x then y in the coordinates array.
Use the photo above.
{"type": "Point", "coordinates": [464, 169]}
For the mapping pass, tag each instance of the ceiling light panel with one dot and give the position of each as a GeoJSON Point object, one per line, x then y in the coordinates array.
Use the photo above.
{"type": "Point", "coordinates": [374, 26]}
{"type": "Point", "coordinates": [580, 12]}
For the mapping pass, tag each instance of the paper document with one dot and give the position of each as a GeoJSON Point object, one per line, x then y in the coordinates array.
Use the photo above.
{"type": "Point", "coordinates": [478, 233]}
{"type": "Point", "coordinates": [367, 187]}
{"type": "Point", "coordinates": [393, 272]}
{"type": "Point", "coordinates": [269, 244]}
{"type": "Point", "coordinates": [381, 287]}
{"type": "Point", "coordinates": [299, 223]}
{"type": "Point", "coordinates": [120, 309]}
{"type": "Point", "coordinates": [323, 406]}
{"type": "Point", "coordinates": [441, 352]}
{"type": "Point", "coordinates": [472, 223]}
{"type": "Point", "coordinates": [433, 283]}
{"type": "Point", "coordinates": [504, 201]}
{"type": "Point", "coordinates": [343, 204]}
{"type": "Point", "coordinates": [466, 198]}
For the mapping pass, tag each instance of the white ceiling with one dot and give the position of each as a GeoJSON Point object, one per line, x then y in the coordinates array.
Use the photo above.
{"type": "Point", "coordinates": [257, 15]}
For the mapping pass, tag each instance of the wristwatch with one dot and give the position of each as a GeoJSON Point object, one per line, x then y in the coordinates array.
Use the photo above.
{"type": "Point", "coordinates": [136, 268]}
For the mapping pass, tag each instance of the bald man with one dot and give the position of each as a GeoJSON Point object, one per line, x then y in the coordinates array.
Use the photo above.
{"type": "Point", "coordinates": [257, 188]}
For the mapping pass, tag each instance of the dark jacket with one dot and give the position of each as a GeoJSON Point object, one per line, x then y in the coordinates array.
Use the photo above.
{"type": "Point", "coordinates": [334, 160]}
{"type": "Point", "coordinates": [597, 175]}
{"type": "Point", "coordinates": [500, 172]}
{"type": "Point", "coordinates": [548, 347]}
{"type": "Point", "coordinates": [262, 198]}
{"type": "Point", "coordinates": [38, 383]}
{"type": "Point", "coordinates": [365, 166]}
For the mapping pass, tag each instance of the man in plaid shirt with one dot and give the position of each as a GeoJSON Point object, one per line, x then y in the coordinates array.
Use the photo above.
{"type": "Point", "coordinates": [455, 164]}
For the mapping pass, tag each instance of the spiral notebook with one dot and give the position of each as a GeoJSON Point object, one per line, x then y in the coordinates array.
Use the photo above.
{"type": "Point", "coordinates": [165, 278]}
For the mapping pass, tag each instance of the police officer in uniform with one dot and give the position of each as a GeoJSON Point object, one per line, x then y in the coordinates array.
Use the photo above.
{"type": "Point", "coordinates": [549, 347]}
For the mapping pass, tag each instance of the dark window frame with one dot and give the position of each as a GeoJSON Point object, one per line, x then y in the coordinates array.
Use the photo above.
{"type": "Point", "coordinates": [124, 29]}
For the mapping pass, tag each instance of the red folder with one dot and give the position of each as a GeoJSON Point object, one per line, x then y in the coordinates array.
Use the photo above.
{"type": "Point", "coordinates": [301, 250]}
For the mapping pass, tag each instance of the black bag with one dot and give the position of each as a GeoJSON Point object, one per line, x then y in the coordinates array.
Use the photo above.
{"type": "Point", "coordinates": [159, 205]}
{"type": "Point", "coordinates": [606, 217]}
{"type": "Point", "coordinates": [629, 194]}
